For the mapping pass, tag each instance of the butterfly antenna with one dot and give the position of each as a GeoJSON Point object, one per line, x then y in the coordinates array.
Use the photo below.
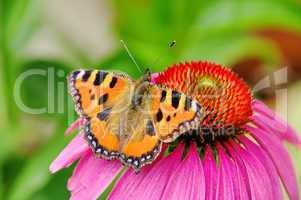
{"type": "Point", "coordinates": [130, 55]}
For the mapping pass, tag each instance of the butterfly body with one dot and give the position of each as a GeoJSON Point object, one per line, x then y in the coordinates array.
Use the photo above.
{"type": "Point", "coordinates": [127, 119]}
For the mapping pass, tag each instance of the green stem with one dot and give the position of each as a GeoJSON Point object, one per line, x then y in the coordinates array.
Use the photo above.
{"type": "Point", "coordinates": [1, 181]}
{"type": "Point", "coordinates": [7, 80]}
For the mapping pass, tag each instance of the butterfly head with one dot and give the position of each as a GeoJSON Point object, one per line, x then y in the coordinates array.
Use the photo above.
{"type": "Point", "coordinates": [142, 87]}
{"type": "Point", "coordinates": [147, 75]}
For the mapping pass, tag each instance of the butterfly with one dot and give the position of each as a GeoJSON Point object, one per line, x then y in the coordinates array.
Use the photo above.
{"type": "Point", "coordinates": [129, 119]}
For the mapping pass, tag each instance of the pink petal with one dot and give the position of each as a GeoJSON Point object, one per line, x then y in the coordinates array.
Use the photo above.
{"type": "Point", "coordinates": [71, 153]}
{"type": "Point", "coordinates": [225, 186]}
{"type": "Point", "coordinates": [257, 176]}
{"type": "Point", "coordinates": [133, 179]}
{"type": "Point", "coordinates": [150, 182]}
{"type": "Point", "coordinates": [268, 119]}
{"type": "Point", "coordinates": [275, 128]}
{"type": "Point", "coordinates": [75, 125]}
{"type": "Point", "coordinates": [267, 163]}
{"type": "Point", "coordinates": [187, 181]}
{"type": "Point", "coordinates": [232, 176]}
{"type": "Point", "coordinates": [241, 187]}
{"type": "Point", "coordinates": [245, 191]}
{"type": "Point", "coordinates": [92, 176]}
{"type": "Point", "coordinates": [210, 172]}
{"type": "Point", "coordinates": [74, 181]}
{"type": "Point", "coordinates": [281, 159]}
{"type": "Point", "coordinates": [153, 77]}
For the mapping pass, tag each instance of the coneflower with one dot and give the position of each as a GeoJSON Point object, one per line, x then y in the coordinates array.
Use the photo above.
{"type": "Point", "coordinates": [237, 151]}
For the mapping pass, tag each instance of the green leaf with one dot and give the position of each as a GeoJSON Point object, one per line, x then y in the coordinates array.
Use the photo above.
{"type": "Point", "coordinates": [120, 61]}
{"type": "Point", "coordinates": [16, 22]}
{"type": "Point", "coordinates": [203, 30]}
{"type": "Point", "coordinates": [35, 173]}
{"type": "Point", "coordinates": [229, 48]}
{"type": "Point", "coordinates": [3, 108]}
{"type": "Point", "coordinates": [56, 188]}
{"type": "Point", "coordinates": [43, 77]}
{"type": "Point", "coordinates": [247, 15]}
{"type": "Point", "coordinates": [21, 22]}
{"type": "Point", "coordinates": [158, 23]}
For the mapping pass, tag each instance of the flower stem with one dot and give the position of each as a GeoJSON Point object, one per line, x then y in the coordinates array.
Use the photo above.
{"type": "Point", "coordinates": [8, 66]}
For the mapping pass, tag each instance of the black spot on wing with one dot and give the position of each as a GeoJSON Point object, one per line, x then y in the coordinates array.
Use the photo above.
{"type": "Point", "coordinates": [75, 74]}
{"type": "Point", "coordinates": [163, 96]}
{"type": "Point", "coordinates": [199, 107]}
{"type": "Point", "coordinates": [150, 129]}
{"type": "Point", "coordinates": [113, 82]}
{"type": "Point", "coordinates": [168, 118]}
{"type": "Point", "coordinates": [175, 100]}
{"type": "Point", "coordinates": [103, 99]}
{"type": "Point", "coordinates": [100, 77]}
{"type": "Point", "coordinates": [159, 115]}
{"type": "Point", "coordinates": [86, 75]}
{"type": "Point", "coordinates": [188, 102]}
{"type": "Point", "coordinates": [104, 114]}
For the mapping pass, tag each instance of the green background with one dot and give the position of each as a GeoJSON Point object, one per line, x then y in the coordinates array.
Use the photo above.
{"type": "Point", "coordinates": [255, 38]}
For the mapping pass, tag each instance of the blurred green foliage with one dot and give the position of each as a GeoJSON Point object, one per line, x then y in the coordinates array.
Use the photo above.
{"type": "Point", "coordinates": [218, 30]}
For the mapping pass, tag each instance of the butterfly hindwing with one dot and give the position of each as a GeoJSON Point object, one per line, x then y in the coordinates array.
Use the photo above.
{"type": "Point", "coordinates": [174, 113]}
{"type": "Point", "coordinates": [142, 147]}
{"type": "Point", "coordinates": [104, 142]}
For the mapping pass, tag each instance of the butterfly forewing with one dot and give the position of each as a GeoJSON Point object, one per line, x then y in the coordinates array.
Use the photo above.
{"type": "Point", "coordinates": [96, 94]}
{"type": "Point", "coordinates": [95, 90]}
{"type": "Point", "coordinates": [173, 113]}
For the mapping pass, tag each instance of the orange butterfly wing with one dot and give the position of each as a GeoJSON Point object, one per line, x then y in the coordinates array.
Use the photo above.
{"type": "Point", "coordinates": [95, 90]}
{"type": "Point", "coordinates": [142, 147]}
{"type": "Point", "coordinates": [136, 139]}
{"type": "Point", "coordinates": [103, 98]}
{"type": "Point", "coordinates": [173, 113]}
{"type": "Point", "coordinates": [95, 93]}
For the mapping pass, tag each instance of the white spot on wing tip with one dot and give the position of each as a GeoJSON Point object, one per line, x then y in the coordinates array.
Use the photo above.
{"type": "Point", "coordinates": [81, 73]}
{"type": "Point", "coordinates": [194, 106]}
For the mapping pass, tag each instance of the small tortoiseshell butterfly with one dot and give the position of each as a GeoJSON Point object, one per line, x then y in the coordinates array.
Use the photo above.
{"type": "Point", "coordinates": [129, 119]}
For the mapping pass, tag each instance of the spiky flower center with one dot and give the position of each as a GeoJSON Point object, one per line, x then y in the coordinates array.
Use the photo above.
{"type": "Point", "coordinates": [224, 97]}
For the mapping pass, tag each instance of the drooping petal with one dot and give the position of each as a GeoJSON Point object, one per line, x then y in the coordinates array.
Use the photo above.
{"type": "Point", "coordinates": [241, 186]}
{"type": "Point", "coordinates": [233, 177]}
{"type": "Point", "coordinates": [256, 150]}
{"type": "Point", "coordinates": [150, 182]}
{"type": "Point", "coordinates": [257, 176]}
{"type": "Point", "coordinates": [187, 182]}
{"type": "Point", "coordinates": [127, 184]}
{"type": "Point", "coordinates": [244, 178]}
{"type": "Point", "coordinates": [225, 186]}
{"type": "Point", "coordinates": [75, 125]}
{"type": "Point", "coordinates": [71, 153]}
{"type": "Point", "coordinates": [210, 172]}
{"type": "Point", "coordinates": [92, 176]}
{"type": "Point", "coordinates": [263, 123]}
{"type": "Point", "coordinates": [285, 133]}
{"type": "Point", "coordinates": [74, 182]}
{"type": "Point", "coordinates": [281, 159]}
{"type": "Point", "coordinates": [268, 119]}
